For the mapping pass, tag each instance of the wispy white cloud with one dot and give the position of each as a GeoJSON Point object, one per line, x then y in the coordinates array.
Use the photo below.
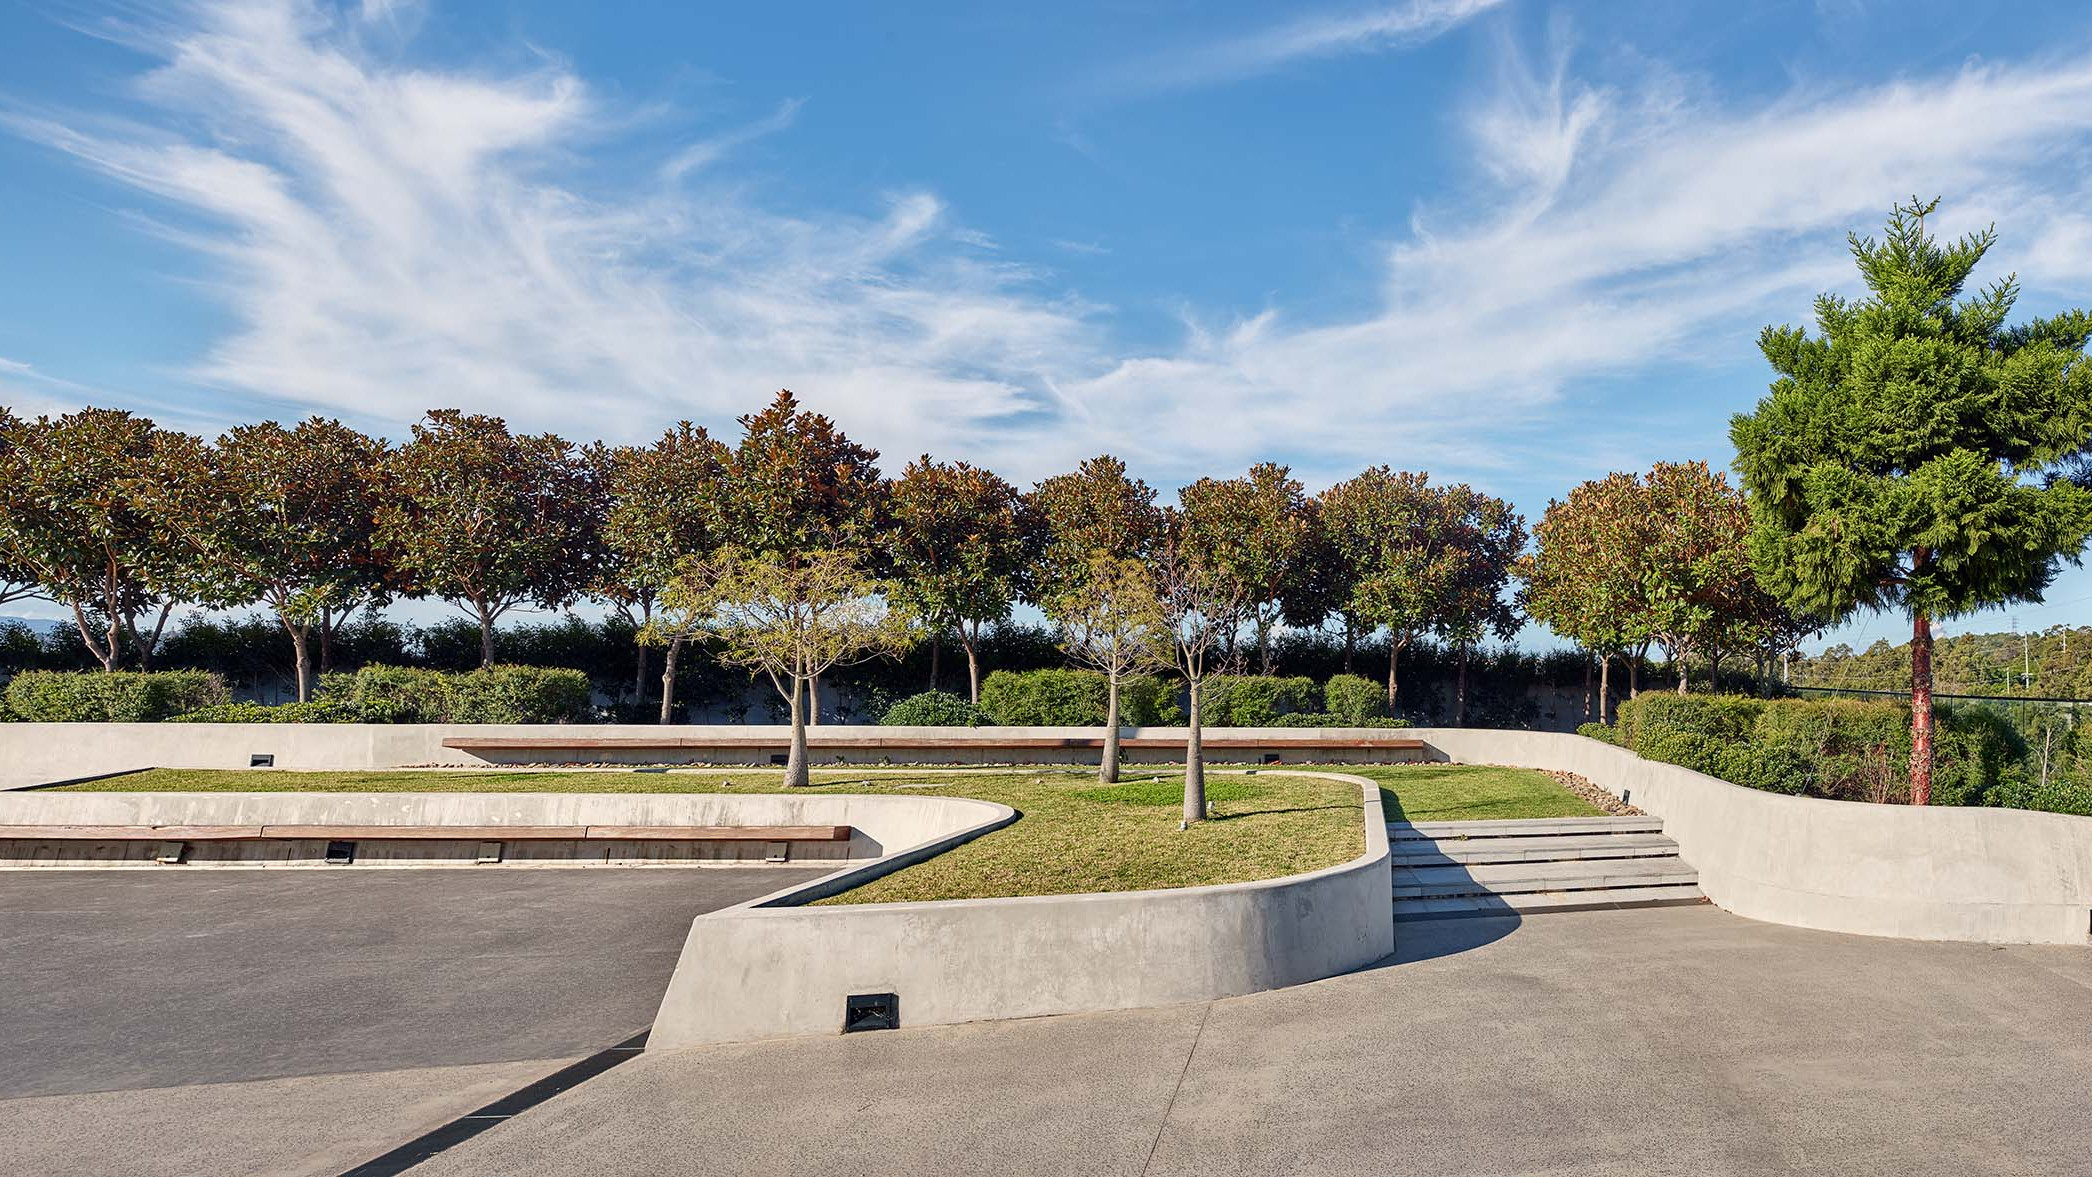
{"type": "Point", "coordinates": [389, 237]}
{"type": "Point", "coordinates": [706, 152]}
{"type": "Point", "coordinates": [1266, 50]}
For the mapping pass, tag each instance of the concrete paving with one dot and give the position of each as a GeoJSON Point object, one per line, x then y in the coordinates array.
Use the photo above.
{"type": "Point", "coordinates": [1659, 1042]}
{"type": "Point", "coordinates": [149, 1019]}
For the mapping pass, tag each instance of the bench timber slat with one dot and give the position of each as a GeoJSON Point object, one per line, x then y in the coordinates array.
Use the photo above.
{"type": "Point", "coordinates": [668, 743]}
{"type": "Point", "coordinates": [144, 833]}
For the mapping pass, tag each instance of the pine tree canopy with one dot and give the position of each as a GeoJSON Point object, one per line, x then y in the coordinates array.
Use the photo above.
{"type": "Point", "coordinates": [1907, 455]}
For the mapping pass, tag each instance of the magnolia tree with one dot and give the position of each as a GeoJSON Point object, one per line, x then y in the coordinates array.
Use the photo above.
{"type": "Point", "coordinates": [791, 621]}
{"type": "Point", "coordinates": [795, 484]}
{"type": "Point", "coordinates": [1202, 594]}
{"type": "Point", "coordinates": [275, 515]}
{"type": "Point", "coordinates": [1113, 619]}
{"type": "Point", "coordinates": [1911, 452]}
{"type": "Point", "coordinates": [665, 502]}
{"type": "Point", "coordinates": [959, 545]}
{"type": "Point", "coordinates": [1261, 530]}
{"type": "Point", "coordinates": [1583, 579]}
{"type": "Point", "coordinates": [1697, 584]}
{"type": "Point", "coordinates": [488, 519]}
{"type": "Point", "coordinates": [1095, 509]}
{"type": "Point", "coordinates": [1483, 539]}
{"type": "Point", "coordinates": [17, 582]}
{"type": "Point", "coordinates": [74, 518]}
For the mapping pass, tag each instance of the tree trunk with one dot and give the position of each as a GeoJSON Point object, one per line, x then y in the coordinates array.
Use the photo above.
{"type": "Point", "coordinates": [668, 679]}
{"type": "Point", "coordinates": [796, 776]}
{"type": "Point", "coordinates": [1350, 644]}
{"type": "Point", "coordinates": [148, 644]}
{"type": "Point", "coordinates": [1920, 709]}
{"type": "Point", "coordinates": [1605, 685]}
{"type": "Point", "coordinates": [1194, 763]}
{"type": "Point", "coordinates": [326, 640]}
{"type": "Point", "coordinates": [1634, 671]}
{"type": "Point", "coordinates": [813, 698]}
{"type": "Point", "coordinates": [1108, 766]}
{"type": "Point", "coordinates": [1679, 659]}
{"type": "Point", "coordinates": [972, 642]}
{"type": "Point", "coordinates": [1460, 691]}
{"type": "Point", "coordinates": [936, 652]}
{"type": "Point", "coordinates": [1263, 643]}
{"type": "Point", "coordinates": [1587, 687]}
{"type": "Point", "coordinates": [486, 638]}
{"type": "Point", "coordinates": [639, 677]}
{"type": "Point", "coordinates": [1394, 655]}
{"type": "Point", "coordinates": [104, 651]}
{"type": "Point", "coordinates": [301, 650]}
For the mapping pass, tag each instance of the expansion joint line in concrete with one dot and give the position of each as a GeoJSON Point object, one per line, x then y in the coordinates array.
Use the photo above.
{"type": "Point", "coordinates": [1163, 1125]}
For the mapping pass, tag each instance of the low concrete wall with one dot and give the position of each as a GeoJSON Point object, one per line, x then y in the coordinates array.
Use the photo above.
{"type": "Point", "coordinates": [41, 753]}
{"type": "Point", "coordinates": [770, 969]}
{"type": "Point", "coordinates": [881, 826]}
{"type": "Point", "coordinates": [1921, 873]}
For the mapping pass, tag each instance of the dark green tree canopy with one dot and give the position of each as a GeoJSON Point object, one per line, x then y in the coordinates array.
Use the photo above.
{"type": "Point", "coordinates": [1901, 458]}
{"type": "Point", "coordinates": [796, 483]}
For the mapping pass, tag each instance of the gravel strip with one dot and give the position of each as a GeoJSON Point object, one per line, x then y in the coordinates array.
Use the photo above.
{"type": "Point", "coordinates": [1587, 791]}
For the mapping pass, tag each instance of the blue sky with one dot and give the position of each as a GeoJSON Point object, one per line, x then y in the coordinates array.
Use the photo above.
{"type": "Point", "coordinates": [1510, 243]}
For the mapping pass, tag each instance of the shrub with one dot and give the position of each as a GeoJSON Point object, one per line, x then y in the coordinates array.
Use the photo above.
{"type": "Point", "coordinates": [1252, 700]}
{"type": "Point", "coordinates": [1076, 698]}
{"type": "Point", "coordinates": [934, 709]}
{"type": "Point", "coordinates": [1332, 719]}
{"type": "Point", "coordinates": [319, 711]}
{"type": "Point", "coordinates": [1603, 732]}
{"type": "Point", "coordinates": [53, 696]}
{"type": "Point", "coordinates": [1357, 701]}
{"type": "Point", "coordinates": [499, 694]}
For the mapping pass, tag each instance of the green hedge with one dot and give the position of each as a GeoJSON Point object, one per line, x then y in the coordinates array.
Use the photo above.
{"type": "Point", "coordinates": [935, 709]}
{"type": "Point", "coordinates": [1332, 719]}
{"type": "Point", "coordinates": [318, 711]}
{"type": "Point", "coordinates": [53, 696]}
{"type": "Point", "coordinates": [1076, 698]}
{"type": "Point", "coordinates": [1851, 749]}
{"type": "Point", "coordinates": [499, 694]}
{"type": "Point", "coordinates": [1357, 701]}
{"type": "Point", "coordinates": [1253, 700]}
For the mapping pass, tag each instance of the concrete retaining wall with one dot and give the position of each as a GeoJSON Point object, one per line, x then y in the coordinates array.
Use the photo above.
{"type": "Point", "coordinates": [40, 753]}
{"type": "Point", "coordinates": [1922, 873]}
{"type": "Point", "coordinates": [771, 969]}
{"type": "Point", "coordinates": [880, 826]}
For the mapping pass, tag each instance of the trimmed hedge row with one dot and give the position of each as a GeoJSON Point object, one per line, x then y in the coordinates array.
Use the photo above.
{"type": "Point", "coordinates": [1079, 698]}
{"type": "Point", "coordinates": [127, 696]}
{"type": "Point", "coordinates": [935, 709]}
{"type": "Point", "coordinates": [1848, 749]}
{"type": "Point", "coordinates": [498, 694]}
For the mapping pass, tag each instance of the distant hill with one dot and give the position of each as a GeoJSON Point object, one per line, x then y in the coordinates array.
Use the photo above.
{"type": "Point", "coordinates": [37, 625]}
{"type": "Point", "coordinates": [2055, 662]}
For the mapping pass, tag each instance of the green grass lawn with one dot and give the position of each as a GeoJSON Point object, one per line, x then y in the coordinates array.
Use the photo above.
{"type": "Point", "coordinates": [1073, 836]}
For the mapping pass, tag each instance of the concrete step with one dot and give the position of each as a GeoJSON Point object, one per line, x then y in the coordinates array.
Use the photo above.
{"type": "Point", "coordinates": [1520, 878]}
{"type": "Point", "coordinates": [1539, 827]}
{"type": "Point", "coordinates": [1466, 906]}
{"type": "Point", "coordinates": [1416, 852]}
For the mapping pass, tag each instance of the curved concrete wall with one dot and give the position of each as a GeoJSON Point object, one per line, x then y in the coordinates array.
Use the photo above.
{"type": "Point", "coordinates": [881, 826]}
{"type": "Point", "coordinates": [40, 753]}
{"type": "Point", "coordinates": [1922, 873]}
{"type": "Point", "coordinates": [771, 969]}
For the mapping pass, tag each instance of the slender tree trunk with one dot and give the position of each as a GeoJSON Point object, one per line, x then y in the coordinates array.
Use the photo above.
{"type": "Point", "coordinates": [1108, 765]}
{"type": "Point", "coordinates": [1263, 643]}
{"type": "Point", "coordinates": [1587, 687]}
{"type": "Point", "coordinates": [936, 652]}
{"type": "Point", "coordinates": [813, 698]}
{"type": "Point", "coordinates": [972, 642]}
{"type": "Point", "coordinates": [1634, 671]}
{"type": "Point", "coordinates": [104, 651]}
{"type": "Point", "coordinates": [1195, 761]}
{"type": "Point", "coordinates": [1350, 644]}
{"type": "Point", "coordinates": [1605, 685]}
{"type": "Point", "coordinates": [1920, 709]}
{"type": "Point", "coordinates": [668, 679]}
{"type": "Point", "coordinates": [149, 644]}
{"type": "Point", "coordinates": [639, 677]}
{"type": "Point", "coordinates": [486, 638]}
{"type": "Point", "coordinates": [301, 651]}
{"type": "Point", "coordinates": [326, 640]}
{"type": "Point", "coordinates": [1394, 655]}
{"type": "Point", "coordinates": [796, 776]}
{"type": "Point", "coordinates": [1678, 657]}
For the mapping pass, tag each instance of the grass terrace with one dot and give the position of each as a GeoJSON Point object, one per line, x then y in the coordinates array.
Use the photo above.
{"type": "Point", "coordinates": [1074, 835]}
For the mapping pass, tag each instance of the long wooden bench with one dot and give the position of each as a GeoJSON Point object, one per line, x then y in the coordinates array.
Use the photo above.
{"type": "Point", "coordinates": [349, 833]}
{"type": "Point", "coordinates": [819, 743]}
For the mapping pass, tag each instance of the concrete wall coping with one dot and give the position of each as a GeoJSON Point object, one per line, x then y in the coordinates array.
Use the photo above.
{"type": "Point", "coordinates": [775, 968]}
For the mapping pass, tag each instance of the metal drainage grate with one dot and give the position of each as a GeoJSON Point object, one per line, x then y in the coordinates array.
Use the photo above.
{"type": "Point", "coordinates": [341, 853]}
{"type": "Point", "coordinates": [262, 760]}
{"type": "Point", "coordinates": [871, 1011]}
{"type": "Point", "coordinates": [780, 759]}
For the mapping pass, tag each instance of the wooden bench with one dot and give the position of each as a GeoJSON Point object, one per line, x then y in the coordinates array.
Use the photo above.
{"type": "Point", "coordinates": [349, 833]}
{"type": "Point", "coordinates": [856, 743]}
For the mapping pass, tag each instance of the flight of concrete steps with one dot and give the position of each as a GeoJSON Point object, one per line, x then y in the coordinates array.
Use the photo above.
{"type": "Point", "coordinates": [1446, 869]}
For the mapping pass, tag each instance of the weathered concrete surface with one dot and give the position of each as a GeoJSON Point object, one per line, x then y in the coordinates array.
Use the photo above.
{"type": "Point", "coordinates": [119, 980]}
{"type": "Point", "coordinates": [1920, 872]}
{"type": "Point", "coordinates": [753, 972]}
{"type": "Point", "coordinates": [306, 1126]}
{"type": "Point", "coordinates": [1657, 1042]}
